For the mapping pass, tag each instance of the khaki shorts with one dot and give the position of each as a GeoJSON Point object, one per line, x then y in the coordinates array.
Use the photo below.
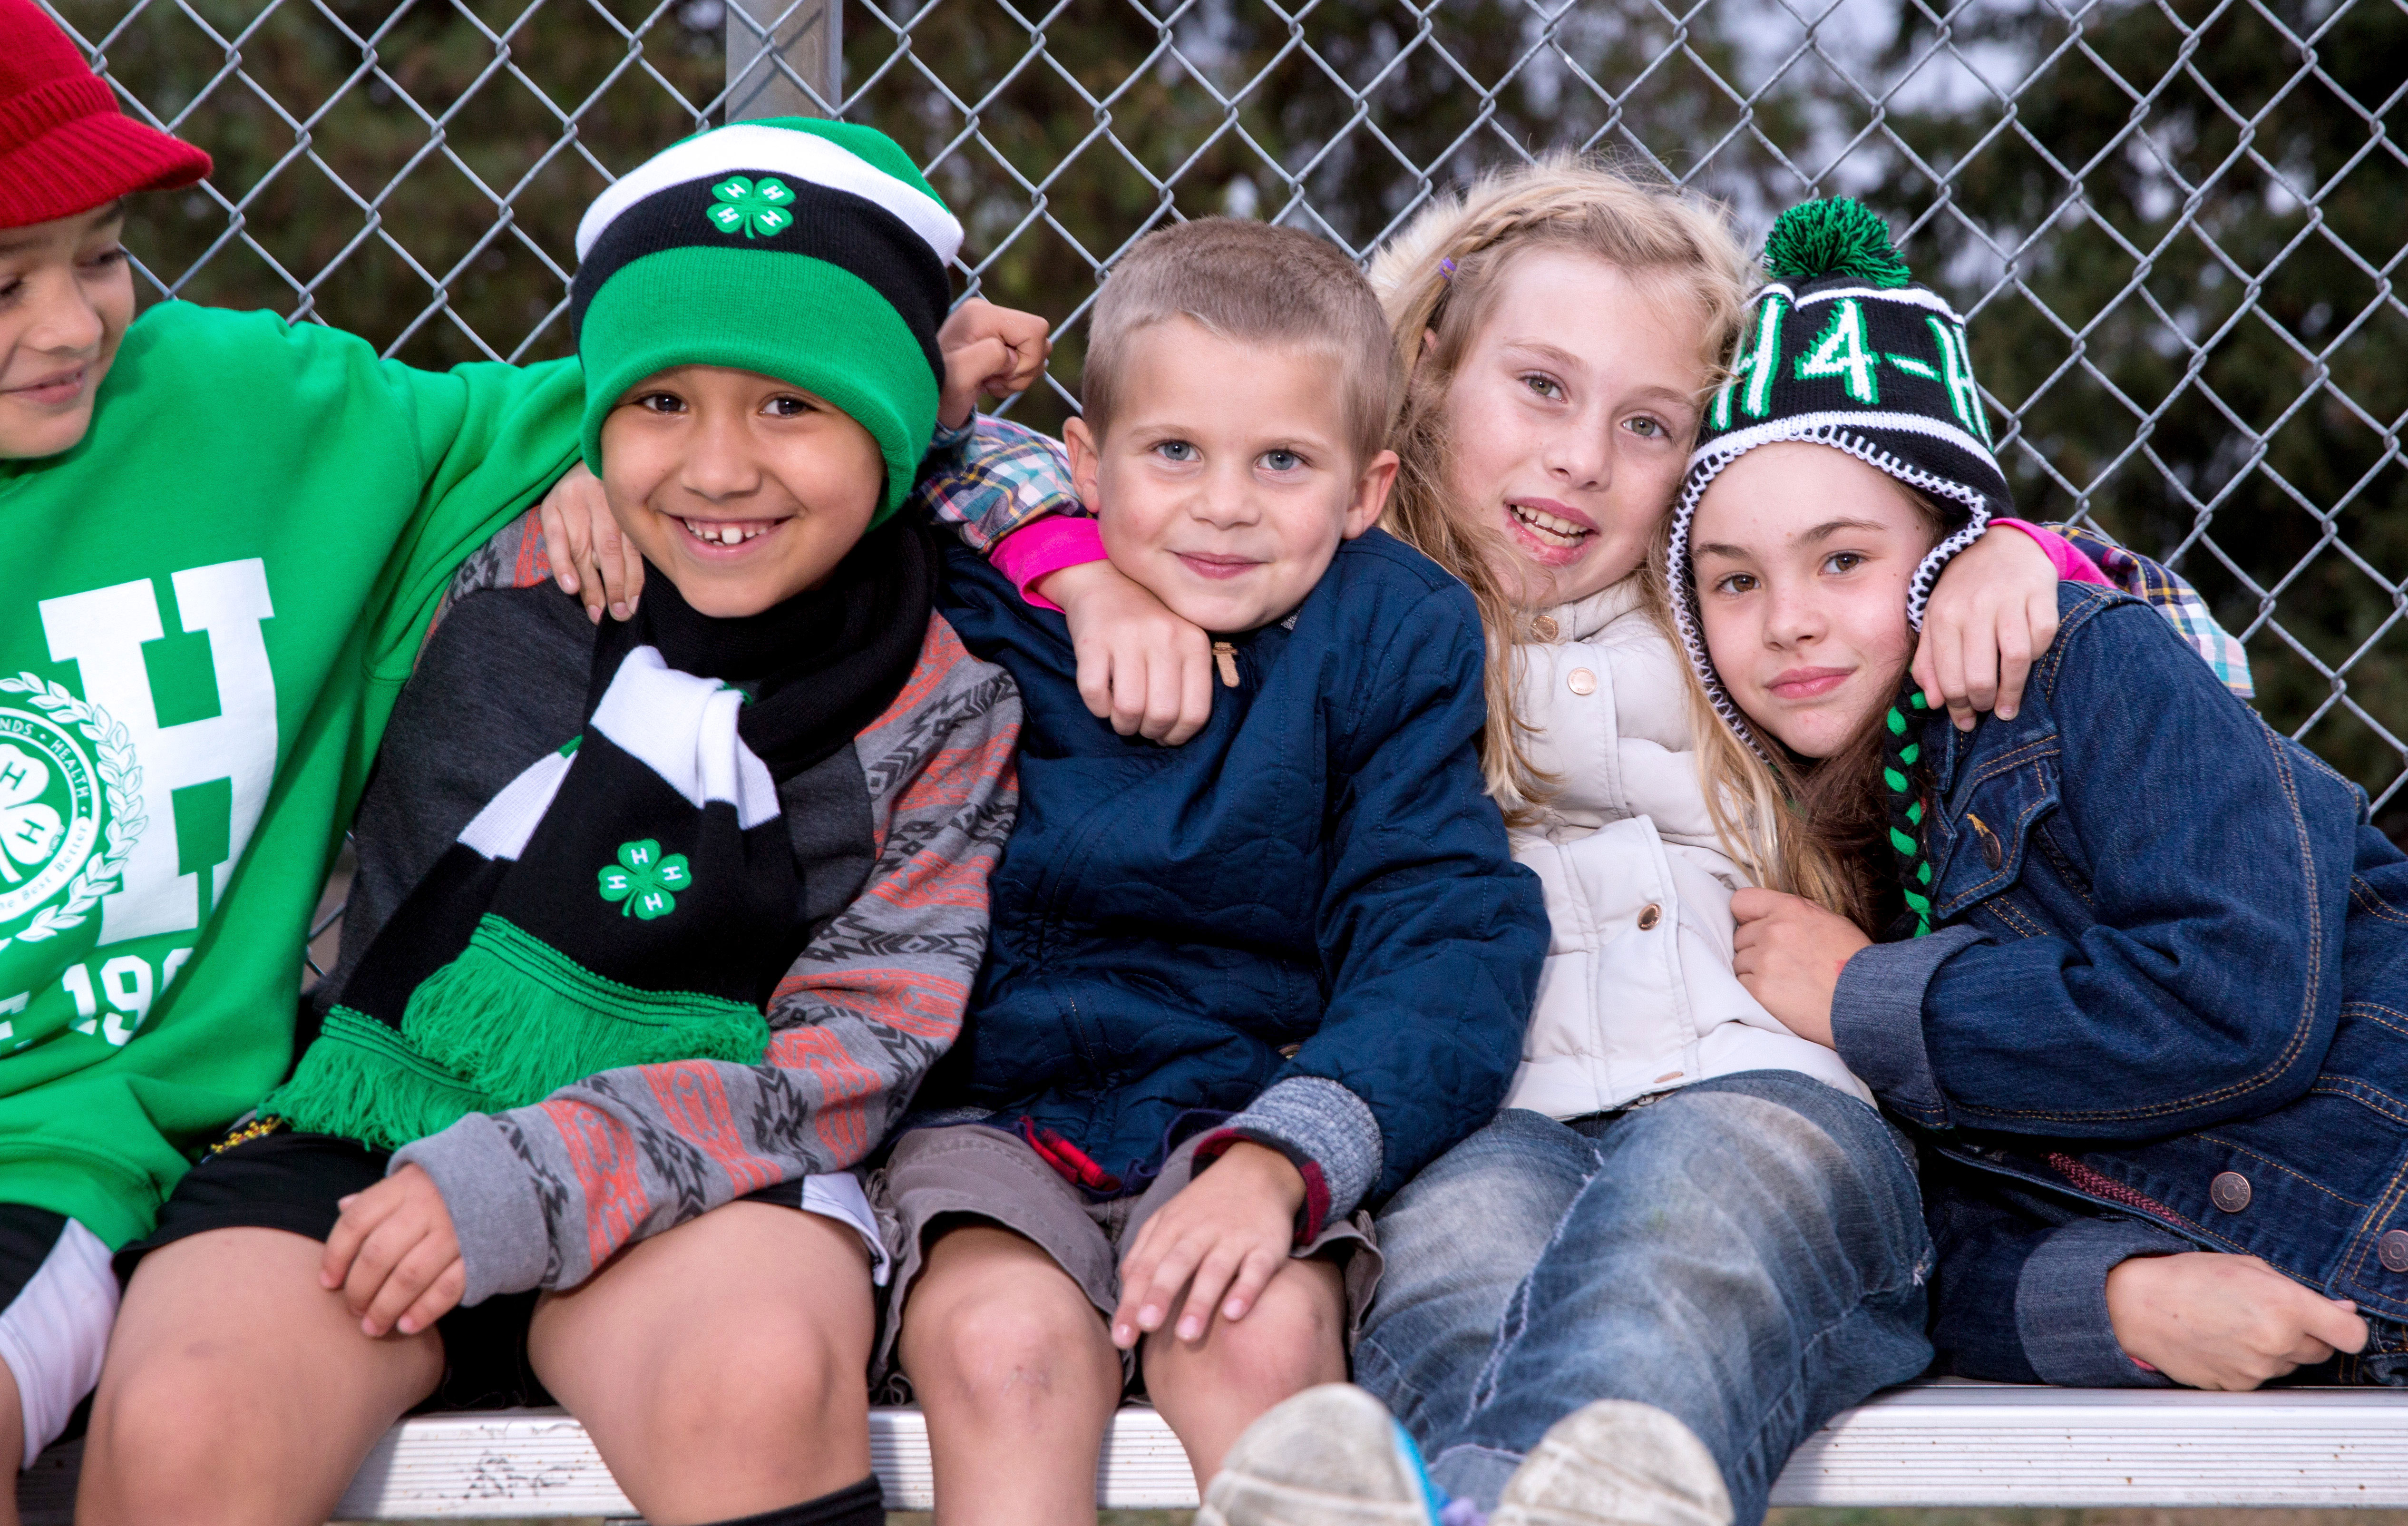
{"type": "Point", "coordinates": [971, 1172]}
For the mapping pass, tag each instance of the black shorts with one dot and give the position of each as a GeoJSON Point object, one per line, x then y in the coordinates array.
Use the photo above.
{"type": "Point", "coordinates": [272, 1177]}
{"type": "Point", "coordinates": [284, 1180]}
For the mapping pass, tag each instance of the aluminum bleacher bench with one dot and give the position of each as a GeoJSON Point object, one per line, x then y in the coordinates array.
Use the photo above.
{"type": "Point", "coordinates": [1929, 1444]}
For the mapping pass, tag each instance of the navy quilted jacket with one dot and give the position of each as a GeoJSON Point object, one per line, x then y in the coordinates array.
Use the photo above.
{"type": "Point", "coordinates": [1313, 890]}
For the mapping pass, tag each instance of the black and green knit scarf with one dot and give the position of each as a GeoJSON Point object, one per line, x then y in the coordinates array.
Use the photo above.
{"type": "Point", "coordinates": [630, 898]}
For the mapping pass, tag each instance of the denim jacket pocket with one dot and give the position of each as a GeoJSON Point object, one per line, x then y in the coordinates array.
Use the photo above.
{"type": "Point", "coordinates": [1987, 826]}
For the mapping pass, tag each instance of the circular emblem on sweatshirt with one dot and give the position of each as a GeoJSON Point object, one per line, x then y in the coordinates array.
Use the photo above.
{"type": "Point", "coordinates": [70, 810]}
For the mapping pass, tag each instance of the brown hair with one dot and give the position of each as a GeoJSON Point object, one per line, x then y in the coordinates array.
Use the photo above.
{"type": "Point", "coordinates": [1817, 828]}
{"type": "Point", "coordinates": [1440, 277]}
{"type": "Point", "coordinates": [1250, 282]}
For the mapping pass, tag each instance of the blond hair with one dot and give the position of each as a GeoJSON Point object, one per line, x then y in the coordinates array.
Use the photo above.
{"type": "Point", "coordinates": [1440, 278]}
{"type": "Point", "coordinates": [1248, 281]}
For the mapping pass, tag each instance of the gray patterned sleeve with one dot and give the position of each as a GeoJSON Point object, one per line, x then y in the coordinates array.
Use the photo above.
{"type": "Point", "coordinates": [543, 1195]}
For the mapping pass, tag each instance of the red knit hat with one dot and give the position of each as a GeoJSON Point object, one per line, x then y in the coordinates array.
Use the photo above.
{"type": "Point", "coordinates": [64, 148]}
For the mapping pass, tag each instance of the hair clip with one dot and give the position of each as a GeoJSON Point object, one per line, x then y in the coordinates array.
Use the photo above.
{"type": "Point", "coordinates": [1446, 269]}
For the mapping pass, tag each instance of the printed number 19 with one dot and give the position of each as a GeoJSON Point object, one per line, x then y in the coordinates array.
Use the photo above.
{"type": "Point", "coordinates": [126, 981]}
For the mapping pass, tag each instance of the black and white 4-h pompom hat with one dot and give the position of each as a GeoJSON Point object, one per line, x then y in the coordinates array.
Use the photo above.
{"type": "Point", "coordinates": [1849, 352]}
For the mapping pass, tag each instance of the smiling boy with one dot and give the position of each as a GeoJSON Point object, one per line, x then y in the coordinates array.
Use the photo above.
{"type": "Point", "coordinates": [1238, 988]}
{"type": "Point", "coordinates": [223, 536]}
{"type": "Point", "coordinates": [657, 924]}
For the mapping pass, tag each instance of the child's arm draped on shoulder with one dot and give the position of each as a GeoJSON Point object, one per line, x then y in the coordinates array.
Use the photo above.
{"type": "Point", "coordinates": [1992, 612]}
{"type": "Point", "coordinates": [589, 556]}
{"type": "Point", "coordinates": [1007, 491]}
{"type": "Point", "coordinates": [999, 352]}
{"type": "Point", "coordinates": [541, 1196]}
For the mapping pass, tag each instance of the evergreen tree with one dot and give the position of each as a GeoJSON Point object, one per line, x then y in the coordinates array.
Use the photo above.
{"type": "Point", "coordinates": [2180, 261]}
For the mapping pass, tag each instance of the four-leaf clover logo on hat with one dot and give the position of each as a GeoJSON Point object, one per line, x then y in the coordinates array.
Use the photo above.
{"type": "Point", "coordinates": [643, 880]}
{"type": "Point", "coordinates": [753, 209]}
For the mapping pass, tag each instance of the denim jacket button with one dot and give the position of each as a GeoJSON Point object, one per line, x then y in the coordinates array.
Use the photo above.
{"type": "Point", "coordinates": [2230, 1191]}
{"type": "Point", "coordinates": [2393, 1249]}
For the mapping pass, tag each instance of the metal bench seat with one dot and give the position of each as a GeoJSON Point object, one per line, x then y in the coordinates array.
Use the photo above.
{"type": "Point", "coordinates": [1928, 1445]}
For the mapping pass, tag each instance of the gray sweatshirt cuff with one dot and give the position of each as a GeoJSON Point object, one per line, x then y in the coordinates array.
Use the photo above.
{"type": "Point", "coordinates": [490, 1195]}
{"type": "Point", "coordinates": [1877, 1020]}
{"type": "Point", "coordinates": [2061, 1304]}
{"type": "Point", "coordinates": [1331, 1134]}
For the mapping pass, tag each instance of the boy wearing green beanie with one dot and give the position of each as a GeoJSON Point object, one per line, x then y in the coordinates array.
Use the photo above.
{"type": "Point", "coordinates": [657, 926]}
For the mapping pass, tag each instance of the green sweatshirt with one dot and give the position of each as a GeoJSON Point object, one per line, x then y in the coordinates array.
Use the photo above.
{"type": "Point", "coordinates": [208, 608]}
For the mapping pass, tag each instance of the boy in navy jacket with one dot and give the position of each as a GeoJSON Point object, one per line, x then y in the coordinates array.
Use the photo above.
{"type": "Point", "coordinates": [1294, 950]}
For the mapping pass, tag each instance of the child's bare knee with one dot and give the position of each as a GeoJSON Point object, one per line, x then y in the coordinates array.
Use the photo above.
{"type": "Point", "coordinates": [156, 1449]}
{"type": "Point", "coordinates": [1016, 1341]}
{"type": "Point", "coordinates": [1291, 1339]}
{"type": "Point", "coordinates": [740, 1396]}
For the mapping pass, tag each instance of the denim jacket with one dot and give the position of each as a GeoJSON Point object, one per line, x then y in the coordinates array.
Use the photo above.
{"type": "Point", "coordinates": [2166, 1006]}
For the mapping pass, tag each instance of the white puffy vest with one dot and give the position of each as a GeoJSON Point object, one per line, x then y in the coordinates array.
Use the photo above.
{"type": "Point", "coordinates": [1637, 994]}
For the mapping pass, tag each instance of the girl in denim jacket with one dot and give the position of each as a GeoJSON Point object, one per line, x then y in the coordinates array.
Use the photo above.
{"type": "Point", "coordinates": [2142, 963]}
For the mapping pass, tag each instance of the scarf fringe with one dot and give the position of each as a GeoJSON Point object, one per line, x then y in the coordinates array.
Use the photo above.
{"type": "Point", "coordinates": [360, 1081]}
{"type": "Point", "coordinates": [521, 1020]}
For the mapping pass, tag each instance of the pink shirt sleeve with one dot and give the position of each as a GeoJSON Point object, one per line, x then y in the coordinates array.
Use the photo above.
{"type": "Point", "coordinates": [1048, 545]}
{"type": "Point", "coordinates": [2071, 566]}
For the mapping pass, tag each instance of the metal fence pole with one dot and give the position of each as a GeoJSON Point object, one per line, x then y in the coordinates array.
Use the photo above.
{"type": "Point", "coordinates": [785, 58]}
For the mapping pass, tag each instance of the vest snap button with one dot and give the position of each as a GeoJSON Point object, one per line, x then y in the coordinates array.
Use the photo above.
{"type": "Point", "coordinates": [1581, 681]}
{"type": "Point", "coordinates": [1648, 918]}
{"type": "Point", "coordinates": [1544, 627]}
{"type": "Point", "coordinates": [2230, 1191]}
{"type": "Point", "coordinates": [2393, 1249]}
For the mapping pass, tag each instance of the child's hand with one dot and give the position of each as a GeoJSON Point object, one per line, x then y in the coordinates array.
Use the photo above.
{"type": "Point", "coordinates": [1230, 1230]}
{"type": "Point", "coordinates": [1141, 667]}
{"type": "Point", "coordinates": [588, 555]}
{"type": "Point", "coordinates": [1788, 952]}
{"type": "Point", "coordinates": [1993, 610]}
{"type": "Point", "coordinates": [394, 1255]}
{"type": "Point", "coordinates": [2215, 1322]}
{"type": "Point", "coordinates": [997, 350]}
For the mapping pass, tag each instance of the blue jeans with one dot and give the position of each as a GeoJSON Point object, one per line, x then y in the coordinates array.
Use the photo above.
{"type": "Point", "coordinates": [1747, 1254]}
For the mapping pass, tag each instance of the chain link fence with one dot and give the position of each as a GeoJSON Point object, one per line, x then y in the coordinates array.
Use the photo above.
{"type": "Point", "coordinates": [2176, 224]}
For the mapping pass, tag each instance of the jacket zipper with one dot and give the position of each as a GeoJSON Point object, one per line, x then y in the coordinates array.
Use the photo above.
{"type": "Point", "coordinates": [1224, 657]}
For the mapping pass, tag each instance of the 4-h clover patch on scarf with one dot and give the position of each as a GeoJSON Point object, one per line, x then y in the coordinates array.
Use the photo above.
{"type": "Point", "coordinates": [631, 898]}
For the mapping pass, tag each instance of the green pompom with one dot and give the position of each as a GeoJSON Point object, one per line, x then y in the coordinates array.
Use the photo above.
{"type": "Point", "coordinates": [1841, 237]}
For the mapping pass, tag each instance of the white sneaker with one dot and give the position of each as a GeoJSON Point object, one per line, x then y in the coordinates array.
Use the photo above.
{"type": "Point", "coordinates": [1331, 1456]}
{"type": "Point", "coordinates": [1616, 1464]}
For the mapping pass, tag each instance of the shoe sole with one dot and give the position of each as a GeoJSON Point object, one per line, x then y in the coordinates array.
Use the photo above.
{"type": "Point", "coordinates": [1616, 1464]}
{"type": "Point", "coordinates": [1331, 1456]}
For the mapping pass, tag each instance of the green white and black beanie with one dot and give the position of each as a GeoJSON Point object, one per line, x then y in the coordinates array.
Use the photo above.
{"type": "Point", "coordinates": [1848, 351]}
{"type": "Point", "coordinates": [813, 251]}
